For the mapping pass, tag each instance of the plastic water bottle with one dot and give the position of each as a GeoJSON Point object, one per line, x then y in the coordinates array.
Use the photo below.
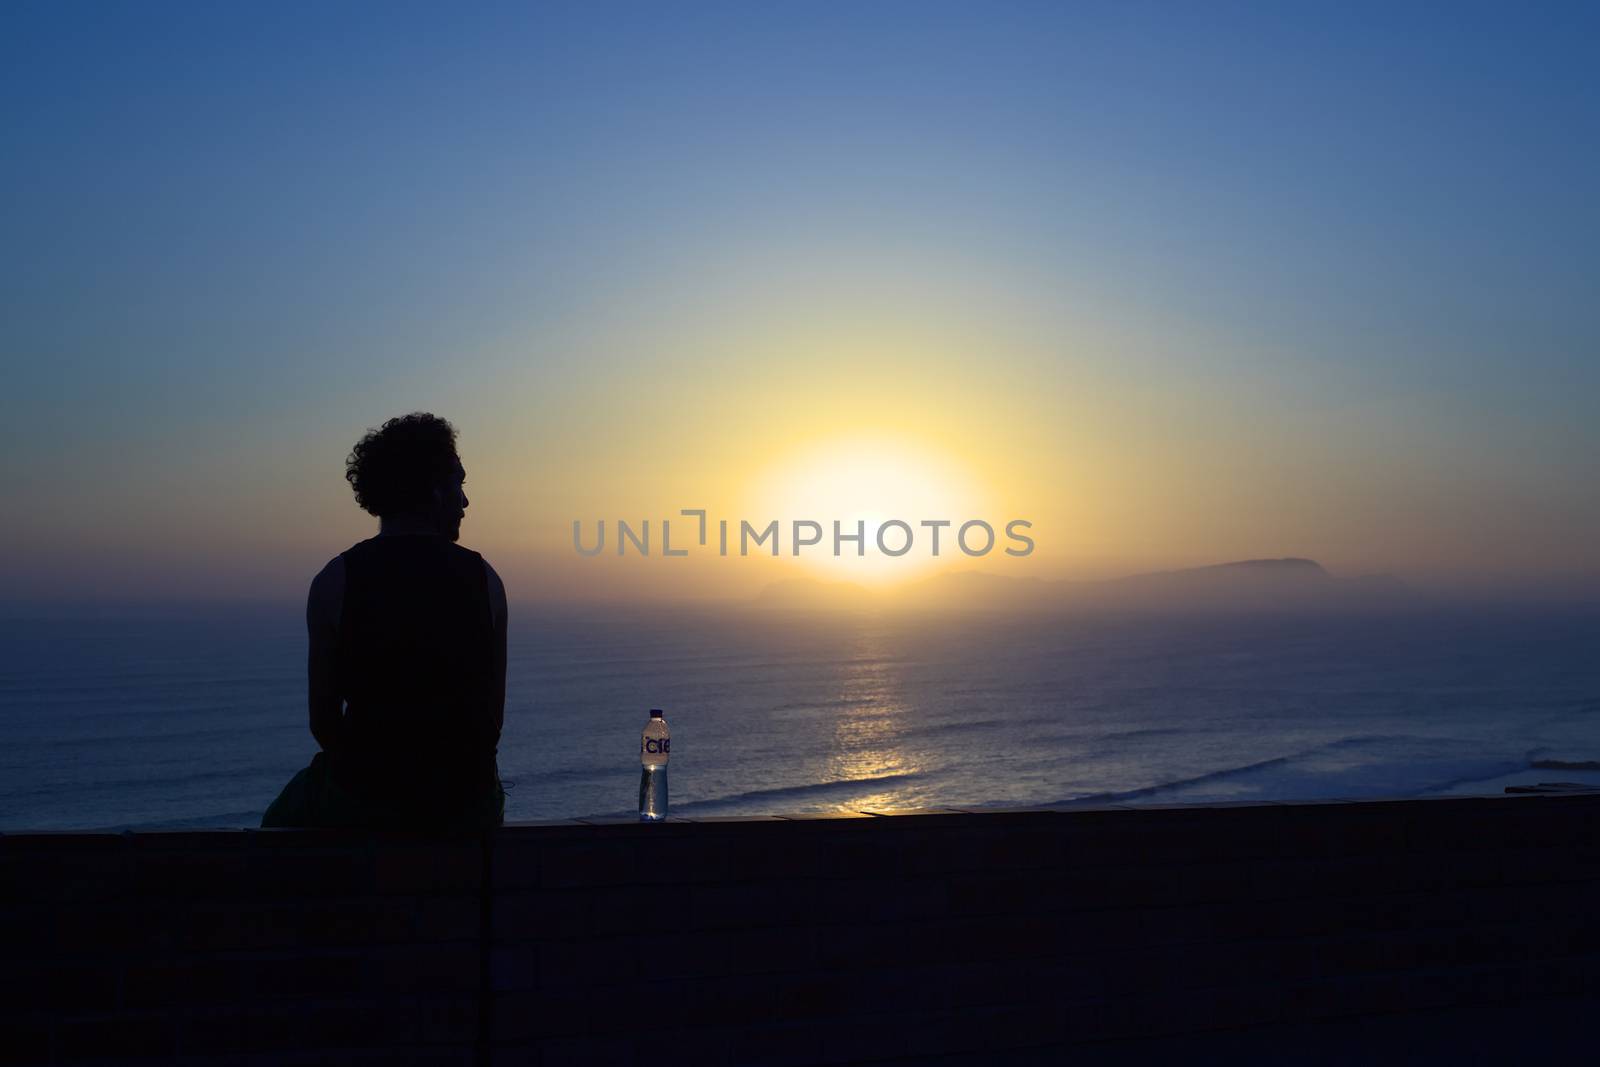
{"type": "Point", "coordinates": [654, 746]}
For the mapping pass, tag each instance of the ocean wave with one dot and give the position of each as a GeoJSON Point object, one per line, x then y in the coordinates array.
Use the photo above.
{"type": "Point", "coordinates": [1477, 768]}
{"type": "Point", "coordinates": [815, 791]}
{"type": "Point", "coordinates": [1177, 783]}
{"type": "Point", "coordinates": [1486, 773]}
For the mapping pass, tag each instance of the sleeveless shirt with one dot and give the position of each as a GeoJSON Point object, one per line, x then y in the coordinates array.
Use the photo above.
{"type": "Point", "coordinates": [415, 670]}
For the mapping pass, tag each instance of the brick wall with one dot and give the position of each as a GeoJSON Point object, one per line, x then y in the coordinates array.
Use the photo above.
{"type": "Point", "coordinates": [995, 936]}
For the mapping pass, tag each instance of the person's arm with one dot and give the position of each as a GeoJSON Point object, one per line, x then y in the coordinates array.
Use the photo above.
{"type": "Point", "coordinates": [323, 606]}
{"type": "Point", "coordinates": [497, 614]}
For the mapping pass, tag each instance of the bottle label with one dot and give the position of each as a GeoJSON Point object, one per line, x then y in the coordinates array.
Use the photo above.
{"type": "Point", "coordinates": [656, 746]}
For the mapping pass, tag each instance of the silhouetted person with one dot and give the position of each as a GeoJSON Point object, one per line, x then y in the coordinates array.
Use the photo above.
{"type": "Point", "coordinates": [407, 666]}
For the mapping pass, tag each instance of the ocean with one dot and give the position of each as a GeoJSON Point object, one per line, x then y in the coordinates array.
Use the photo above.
{"type": "Point", "coordinates": [196, 717]}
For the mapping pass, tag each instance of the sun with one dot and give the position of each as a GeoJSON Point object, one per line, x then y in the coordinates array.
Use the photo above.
{"type": "Point", "coordinates": [893, 487]}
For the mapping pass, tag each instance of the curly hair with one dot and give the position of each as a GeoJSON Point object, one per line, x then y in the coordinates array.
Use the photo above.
{"type": "Point", "coordinates": [395, 468]}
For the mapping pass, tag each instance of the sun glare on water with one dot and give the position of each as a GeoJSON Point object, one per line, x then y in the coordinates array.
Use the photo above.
{"type": "Point", "coordinates": [873, 482]}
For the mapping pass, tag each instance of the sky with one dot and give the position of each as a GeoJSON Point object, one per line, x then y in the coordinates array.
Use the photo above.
{"type": "Point", "coordinates": [1174, 283]}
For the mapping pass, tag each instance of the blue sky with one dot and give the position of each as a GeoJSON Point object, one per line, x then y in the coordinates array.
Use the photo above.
{"type": "Point", "coordinates": [235, 235]}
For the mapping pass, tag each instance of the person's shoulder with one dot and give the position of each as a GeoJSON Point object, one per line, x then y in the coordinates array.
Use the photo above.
{"type": "Point", "coordinates": [495, 584]}
{"type": "Point", "coordinates": [497, 589]}
{"type": "Point", "coordinates": [362, 549]}
{"type": "Point", "coordinates": [328, 583]}
{"type": "Point", "coordinates": [330, 577]}
{"type": "Point", "coordinates": [325, 600]}
{"type": "Point", "coordinates": [467, 557]}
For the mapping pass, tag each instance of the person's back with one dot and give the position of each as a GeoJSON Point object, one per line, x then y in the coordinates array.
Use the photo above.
{"type": "Point", "coordinates": [407, 660]}
{"type": "Point", "coordinates": [416, 676]}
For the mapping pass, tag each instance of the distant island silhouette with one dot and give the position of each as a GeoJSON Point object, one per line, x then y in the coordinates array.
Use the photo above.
{"type": "Point", "coordinates": [1252, 584]}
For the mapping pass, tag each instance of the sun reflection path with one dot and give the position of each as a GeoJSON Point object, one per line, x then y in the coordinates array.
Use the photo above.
{"type": "Point", "coordinates": [867, 735]}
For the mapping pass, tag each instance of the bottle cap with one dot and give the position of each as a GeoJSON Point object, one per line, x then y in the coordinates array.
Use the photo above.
{"type": "Point", "coordinates": [655, 713]}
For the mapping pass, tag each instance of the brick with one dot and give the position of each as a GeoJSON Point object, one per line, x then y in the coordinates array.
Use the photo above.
{"type": "Point", "coordinates": [328, 921]}
{"type": "Point", "coordinates": [424, 968]}
{"type": "Point", "coordinates": [57, 989]}
{"type": "Point", "coordinates": [1000, 889]}
{"type": "Point", "coordinates": [992, 937]}
{"type": "Point", "coordinates": [25, 1042]}
{"type": "Point", "coordinates": [689, 954]}
{"type": "Point", "coordinates": [684, 859]}
{"type": "Point", "coordinates": [439, 867]}
{"type": "Point", "coordinates": [571, 865]}
{"type": "Point", "coordinates": [306, 974]}
{"type": "Point", "coordinates": [402, 1056]}
{"type": "Point", "coordinates": [579, 964]}
{"type": "Point", "coordinates": [447, 1019]}
{"type": "Point", "coordinates": [1573, 976]}
{"type": "Point", "coordinates": [923, 850]}
{"type": "Point", "coordinates": [28, 930]}
{"type": "Point", "coordinates": [196, 864]}
{"type": "Point", "coordinates": [110, 928]}
{"type": "Point", "coordinates": [614, 961]}
{"type": "Point", "coordinates": [763, 856]}
{"type": "Point", "coordinates": [514, 865]}
{"type": "Point", "coordinates": [323, 1023]}
{"type": "Point", "coordinates": [290, 872]}
{"type": "Point", "coordinates": [1101, 1019]}
{"type": "Point", "coordinates": [541, 914]}
{"type": "Point", "coordinates": [619, 909]}
{"type": "Point", "coordinates": [873, 1037]}
{"type": "Point", "coordinates": [201, 980]}
{"type": "Point", "coordinates": [877, 900]}
{"type": "Point", "coordinates": [335, 1023]}
{"type": "Point", "coordinates": [985, 984]}
{"type": "Point", "coordinates": [982, 1030]}
{"type": "Point", "coordinates": [1198, 1011]}
{"type": "Point", "coordinates": [868, 852]}
{"type": "Point", "coordinates": [745, 904]}
{"type": "Point", "coordinates": [117, 1037]}
{"type": "Point", "coordinates": [1363, 995]}
{"type": "Point", "coordinates": [1021, 848]}
{"type": "Point", "coordinates": [457, 917]}
{"type": "Point", "coordinates": [703, 1047]}
{"type": "Point", "coordinates": [1119, 887]}
{"type": "Point", "coordinates": [520, 1016]}
{"type": "Point", "coordinates": [891, 989]}
{"type": "Point", "coordinates": [1517, 866]}
{"type": "Point", "coordinates": [519, 1054]}
{"type": "Point", "coordinates": [726, 1001]}
{"type": "Point", "coordinates": [875, 946]}
{"type": "Point", "coordinates": [606, 1051]}
{"type": "Point", "coordinates": [775, 1045]}
{"type": "Point", "coordinates": [57, 874]}
{"type": "Point", "coordinates": [790, 948]}
{"type": "Point", "coordinates": [514, 967]}
{"type": "Point", "coordinates": [174, 983]}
